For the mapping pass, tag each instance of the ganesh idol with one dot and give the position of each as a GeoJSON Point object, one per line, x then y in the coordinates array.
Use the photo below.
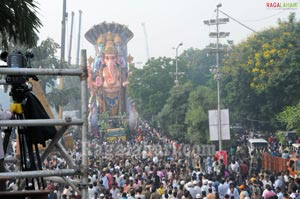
{"type": "Point", "coordinates": [112, 79]}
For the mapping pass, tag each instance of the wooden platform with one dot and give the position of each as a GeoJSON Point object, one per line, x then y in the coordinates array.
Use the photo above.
{"type": "Point", "coordinates": [34, 194]}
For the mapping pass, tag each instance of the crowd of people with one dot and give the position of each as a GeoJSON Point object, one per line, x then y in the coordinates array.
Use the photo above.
{"type": "Point", "coordinates": [157, 167]}
{"type": "Point", "coordinates": [154, 169]}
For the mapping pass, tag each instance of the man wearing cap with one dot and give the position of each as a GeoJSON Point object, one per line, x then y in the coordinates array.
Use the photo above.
{"type": "Point", "coordinates": [205, 186]}
{"type": "Point", "coordinates": [190, 188]}
{"type": "Point", "coordinates": [243, 193]}
{"type": "Point", "coordinates": [255, 190]}
{"type": "Point", "coordinates": [210, 185]}
{"type": "Point", "coordinates": [101, 196]}
{"type": "Point", "coordinates": [197, 189]}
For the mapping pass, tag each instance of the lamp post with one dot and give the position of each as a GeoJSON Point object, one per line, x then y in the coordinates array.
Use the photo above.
{"type": "Point", "coordinates": [217, 75]}
{"type": "Point", "coordinates": [215, 70]}
{"type": "Point", "coordinates": [176, 63]}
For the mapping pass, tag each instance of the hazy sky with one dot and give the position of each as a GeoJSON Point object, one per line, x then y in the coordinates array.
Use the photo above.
{"type": "Point", "coordinates": [167, 22]}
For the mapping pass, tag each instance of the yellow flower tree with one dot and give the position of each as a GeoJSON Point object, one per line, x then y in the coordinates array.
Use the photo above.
{"type": "Point", "coordinates": [261, 76]}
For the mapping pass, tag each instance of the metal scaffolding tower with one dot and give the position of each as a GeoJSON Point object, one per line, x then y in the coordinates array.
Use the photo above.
{"type": "Point", "coordinates": [62, 125]}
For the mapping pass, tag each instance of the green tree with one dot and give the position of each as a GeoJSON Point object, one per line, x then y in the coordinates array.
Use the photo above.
{"type": "Point", "coordinates": [45, 57]}
{"type": "Point", "coordinates": [181, 111]}
{"type": "Point", "coordinates": [200, 101]}
{"type": "Point", "coordinates": [149, 87]}
{"type": "Point", "coordinates": [19, 22]}
{"type": "Point", "coordinates": [261, 75]}
{"type": "Point", "coordinates": [196, 64]}
{"type": "Point", "coordinates": [69, 97]}
{"type": "Point", "coordinates": [290, 117]}
{"type": "Point", "coordinates": [72, 91]}
{"type": "Point", "coordinates": [172, 116]}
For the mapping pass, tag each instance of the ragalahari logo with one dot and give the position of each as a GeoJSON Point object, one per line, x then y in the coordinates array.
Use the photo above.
{"type": "Point", "coordinates": [282, 5]}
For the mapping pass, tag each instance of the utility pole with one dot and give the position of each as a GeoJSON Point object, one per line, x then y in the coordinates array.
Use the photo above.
{"type": "Point", "coordinates": [216, 70]}
{"type": "Point", "coordinates": [62, 50]}
{"type": "Point", "coordinates": [176, 63]}
{"type": "Point", "coordinates": [78, 40]}
{"type": "Point", "coordinates": [177, 74]}
{"type": "Point", "coordinates": [71, 35]}
{"type": "Point", "coordinates": [146, 39]}
{"type": "Point", "coordinates": [63, 33]}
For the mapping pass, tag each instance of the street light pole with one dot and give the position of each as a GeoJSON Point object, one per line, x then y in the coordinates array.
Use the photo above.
{"type": "Point", "coordinates": [219, 109]}
{"type": "Point", "coordinates": [217, 76]}
{"type": "Point", "coordinates": [216, 70]}
{"type": "Point", "coordinates": [176, 63]}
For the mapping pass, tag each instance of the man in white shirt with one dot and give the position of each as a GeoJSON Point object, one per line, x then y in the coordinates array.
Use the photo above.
{"type": "Point", "coordinates": [279, 193]}
{"type": "Point", "coordinates": [104, 180]}
{"type": "Point", "coordinates": [234, 166]}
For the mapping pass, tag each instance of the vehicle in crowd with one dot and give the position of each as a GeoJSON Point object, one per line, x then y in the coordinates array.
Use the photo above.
{"type": "Point", "coordinates": [291, 136]}
{"type": "Point", "coordinates": [256, 143]}
{"type": "Point", "coordinates": [289, 162]}
{"type": "Point", "coordinates": [115, 134]}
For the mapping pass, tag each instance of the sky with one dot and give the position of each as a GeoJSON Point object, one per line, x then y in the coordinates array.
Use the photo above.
{"type": "Point", "coordinates": [167, 22]}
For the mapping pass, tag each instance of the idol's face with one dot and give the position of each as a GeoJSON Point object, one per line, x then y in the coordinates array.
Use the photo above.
{"type": "Point", "coordinates": [110, 59]}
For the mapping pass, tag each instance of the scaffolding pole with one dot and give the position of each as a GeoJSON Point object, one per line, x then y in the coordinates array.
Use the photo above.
{"type": "Point", "coordinates": [39, 173]}
{"type": "Point", "coordinates": [64, 180]}
{"type": "Point", "coordinates": [65, 123]}
{"type": "Point", "coordinates": [65, 155]}
{"type": "Point", "coordinates": [40, 122]}
{"type": "Point", "coordinates": [84, 116]}
{"type": "Point", "coordinates": [52, 144]}
{"type": "Point", "coordinates": [39, 71]}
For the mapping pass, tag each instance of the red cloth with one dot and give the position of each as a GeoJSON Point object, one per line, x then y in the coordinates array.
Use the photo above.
{"type": "Point", "coordinates": [110, 179]}
{"type": "Point", "coordinates": [244, 169]}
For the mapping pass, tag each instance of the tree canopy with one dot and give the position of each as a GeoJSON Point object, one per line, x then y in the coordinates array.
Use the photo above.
{"type": "Point", "coordinates": [19, 22]}
{"type": "Point", "coordinates": [261, 76]}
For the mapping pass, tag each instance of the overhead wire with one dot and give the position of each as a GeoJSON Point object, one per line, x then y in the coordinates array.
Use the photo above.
{"type": "Point", "coordinates": [264, 18]}
{"type": "Point", "coordinates": [238, 21]}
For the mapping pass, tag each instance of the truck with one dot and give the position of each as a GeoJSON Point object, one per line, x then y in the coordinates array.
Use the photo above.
{"type": "Point", "coordinates": [280, 164]}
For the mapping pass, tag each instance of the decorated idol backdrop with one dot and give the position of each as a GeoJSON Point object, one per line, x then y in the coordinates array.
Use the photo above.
{"type": "Point", "coordinates": [108, 71]}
